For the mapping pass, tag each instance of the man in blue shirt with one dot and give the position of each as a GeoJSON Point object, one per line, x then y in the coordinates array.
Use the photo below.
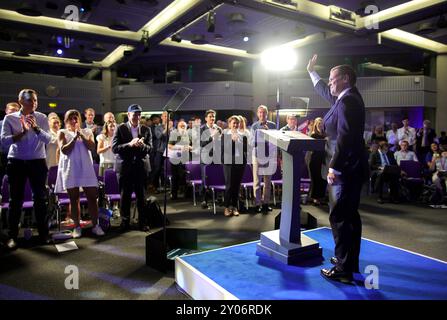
{"type": "Point", "coordinates": [26, 133]}
{"type": "Point", "coordinates": [261, 160]}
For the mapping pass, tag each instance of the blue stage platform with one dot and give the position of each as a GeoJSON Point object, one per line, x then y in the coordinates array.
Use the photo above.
{"type": "Point", "coordinates": [236, 272]}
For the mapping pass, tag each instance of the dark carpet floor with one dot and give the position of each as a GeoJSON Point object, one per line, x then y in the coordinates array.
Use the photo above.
{"type": "Point", "coordinates": [113, 267]}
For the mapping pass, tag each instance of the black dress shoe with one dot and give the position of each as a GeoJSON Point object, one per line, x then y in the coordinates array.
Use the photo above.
{"type": "Point", "coordinates": [204, 205]}
{"type": "Point", "coordinates": [144, 228]}
{"type": "Point", "coordinates": [258, 209]}
{"type": "Point", "coordinates": [336, 275]}
{"type": "Point", "coordinates": [380, 200]}
{"type": "Point", "coordinates": [334, 260]}
{"type": "Point", "coordinates": [266, 208]}
{"type": "Point", "coordinates": [11, 244]}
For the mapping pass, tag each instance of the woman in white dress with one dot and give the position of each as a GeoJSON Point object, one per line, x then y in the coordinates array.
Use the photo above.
{"type": "Point", "coordinates": [106, 155]}
{"type": "Point", "coordinates": [76, 169]}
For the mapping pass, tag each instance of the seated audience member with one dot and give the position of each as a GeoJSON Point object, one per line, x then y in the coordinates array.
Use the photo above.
{"type": "Point", "coordinates": [392, 137]}
{"type": "Point", "coordinates": [378, 135]}
{"type": "Point", "coordinates": [76, 170]}
{"type": "Point", "coordinates": [404, 153]}
{"type": "Point", "coordinates": [434, 149]}
{"type": "Point", "coordinates": [439, 165]}
{"type": "Point", "coordinates": [52, 148]}
{"type": "Point", "coordinates": [380, 163]}
{"type": "Point", "coordinates": [104, 149]}
{"type": "Point", "coordinates": [234, 159]}
{"type": "Point", "coordinates": [442, 139]}
{"type": "Point", "coordinates": [179, 153]}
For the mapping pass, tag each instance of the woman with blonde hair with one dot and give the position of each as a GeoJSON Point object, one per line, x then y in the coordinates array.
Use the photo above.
{"type": "Point", "coordinates": [76, 170]}
{"type": "Point", "coordinates": [315, 162]}
{"type": "Point", "coordinates": [234, 159]}
{"type": "Point", "coordinates": [106, 156]}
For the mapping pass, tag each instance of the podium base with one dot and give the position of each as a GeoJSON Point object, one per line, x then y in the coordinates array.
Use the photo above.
{"type": "Point", "coordinates": [287, 252]}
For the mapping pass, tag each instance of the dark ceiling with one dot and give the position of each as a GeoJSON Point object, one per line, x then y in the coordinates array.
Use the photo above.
{"type": "Point", "coordinates": [233, 21]}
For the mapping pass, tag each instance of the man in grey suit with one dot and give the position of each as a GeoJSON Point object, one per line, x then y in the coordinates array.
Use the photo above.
{"type": "Point", "coordinates": [344, 125]}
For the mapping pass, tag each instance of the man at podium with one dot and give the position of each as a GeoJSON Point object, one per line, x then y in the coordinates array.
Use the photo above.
{"type": "Point", "coordinates": [347, 165]}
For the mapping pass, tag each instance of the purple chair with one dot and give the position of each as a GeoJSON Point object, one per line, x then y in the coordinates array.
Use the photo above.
{"type": "Point", "coordinates": [193, 177]}
{"type": "Point", "coordinates": [415, 177]}
{"type": "Point", "coordinates": [247, 182]}
{"type": "Point", "coordinates": [27, 199]}
{"type": "Point", "coordinates": [214, 180]}
{"type": "Point", "coordinates": [111, 187]}
{"type": "Point", "coordinates": [4, 197]}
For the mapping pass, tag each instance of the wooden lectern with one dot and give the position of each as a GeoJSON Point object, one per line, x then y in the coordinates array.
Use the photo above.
{"type": "Point", "coordinates": [287, 244]}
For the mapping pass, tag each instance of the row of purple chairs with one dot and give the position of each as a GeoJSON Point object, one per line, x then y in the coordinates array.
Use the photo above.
{"type": "Point", "coordinates": [215, 180]}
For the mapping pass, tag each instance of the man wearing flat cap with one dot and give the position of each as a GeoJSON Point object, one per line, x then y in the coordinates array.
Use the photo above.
{"type": "Point", "coordinates": [132, 143]}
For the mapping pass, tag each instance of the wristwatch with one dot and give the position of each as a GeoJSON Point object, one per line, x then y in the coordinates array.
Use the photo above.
{"type": "Point", "coordinates": [36, 129]}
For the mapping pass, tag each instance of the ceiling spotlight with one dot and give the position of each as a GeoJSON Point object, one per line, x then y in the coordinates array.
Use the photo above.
{"type": "Point", "coordinates": [145, 41]}
{"type": "Point", "coordinates": [28, 9]}
{"type": "Point", "coordinates": [98, 48]}
{"type": "Point", "coordinates": [246, 38]}
{"type": "Point", "coordinates": [218, 36]}
{"type": "Point", "coordinates": [119, 26]}
{"type": "Point", "coordinates": [20, 53]}
{"type": "Point", "coordinates": [85, 60]}
{"type": "Point", "coordinates": [199, 39]}
{"type": "Point", "coordinates": [60, 51]}
{"type": "Point", "coordinates": [279, 59]}
{"type": "Point", "coordinates": [211, 21]}
{"type": "Point", "coordinates": [176, 38]}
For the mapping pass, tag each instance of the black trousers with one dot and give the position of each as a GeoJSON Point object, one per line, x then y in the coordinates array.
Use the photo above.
{"type": "Point", "coordinates": [18, 172]}
{"type": "Point", "coordinates": [132, 178]}
{"type": "Point", "coordinates": [393, 181]}
{"type": "Point", "coordinates": [233, 176]}
{"type": "Point", "coordinates": [178, 177]}
{"type": "Point", "coordinates": [346, 225]}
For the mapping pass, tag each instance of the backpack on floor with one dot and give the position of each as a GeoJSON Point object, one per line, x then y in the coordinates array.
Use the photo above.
{"type": "Point", "coordinates": [153, 214]}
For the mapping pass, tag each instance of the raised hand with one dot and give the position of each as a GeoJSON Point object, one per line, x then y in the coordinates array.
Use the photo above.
{"type": "Point", "coordinates": [312, 63]}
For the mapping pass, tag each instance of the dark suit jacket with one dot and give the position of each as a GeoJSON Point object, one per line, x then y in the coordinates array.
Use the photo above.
{"type": "Point", "coordinates": [375, 160]}
{"type": "Point", "coordinates": [431, 135]}
{"type": "Point", "coordinates": [131, 157]}
{"type": "Point", "coordinates": [344, 125]}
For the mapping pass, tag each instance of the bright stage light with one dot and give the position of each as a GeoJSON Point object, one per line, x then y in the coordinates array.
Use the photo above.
{"type": "Point", "coordinates": [279, 59]}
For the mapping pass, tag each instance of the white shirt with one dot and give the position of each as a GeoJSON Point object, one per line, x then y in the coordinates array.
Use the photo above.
{"type": "Point", "coordinates": [408, 134]}
{"type": "Point", "coordinates": [401, 155]}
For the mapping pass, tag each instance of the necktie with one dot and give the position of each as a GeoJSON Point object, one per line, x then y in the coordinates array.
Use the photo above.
{"type": "Point", "coordinates": [384, 159]}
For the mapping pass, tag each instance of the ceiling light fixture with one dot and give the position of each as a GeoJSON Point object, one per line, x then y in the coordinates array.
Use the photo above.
{"type": "Point", "coordinates": [176, 38]}
{"type": "Point", "coordinates": [279, 59]}
{"type": "Point", "coordinates": [28, 9]}
{"type": "Point", "coordinates": [211, 21]}
{"type": "Point", "coordinates": [199, 39]}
